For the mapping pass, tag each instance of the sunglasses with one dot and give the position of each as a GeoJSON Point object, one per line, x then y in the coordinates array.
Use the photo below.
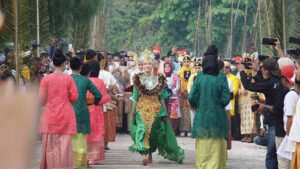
{"type": "Point", "coordinates": [227, 67]}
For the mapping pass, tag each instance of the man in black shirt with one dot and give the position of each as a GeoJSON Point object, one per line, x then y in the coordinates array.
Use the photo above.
{"type": "Point", "coordinates": [270, 85]}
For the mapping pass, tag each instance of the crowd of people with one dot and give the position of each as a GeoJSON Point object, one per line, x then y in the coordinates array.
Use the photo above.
{"type": "Point", "coordinates": [90, 96]}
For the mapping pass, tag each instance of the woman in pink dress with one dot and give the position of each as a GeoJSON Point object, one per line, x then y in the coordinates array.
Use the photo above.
{"type": "Point", "coordinates": [95, 139]}
{"type": "Point", "coordinates": [57, 123]}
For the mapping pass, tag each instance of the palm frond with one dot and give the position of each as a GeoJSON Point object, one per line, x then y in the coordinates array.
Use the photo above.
{"type": "Point", "coordinates": [292, 19]}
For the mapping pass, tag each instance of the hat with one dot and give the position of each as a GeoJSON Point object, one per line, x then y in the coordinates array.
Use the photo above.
{"type": "Point", "coordinates": [198, 63]}
{"type": "Point", "coordinates": [288, 73]}
{"type": "Point", "coordinates": [158, 48]}
{"type": "Point", "coordinates": [186, 58]}
{"type": "Point", "coordinates": [282, 62]}
{"type": "Point", "coordinates": [248, 59]}
{"type": "Point", "coordinates": [181, 52]}
{"type": "Point", "coordinates": [272, 66]}
{"type": "Point", "coordinates": [238, 59]}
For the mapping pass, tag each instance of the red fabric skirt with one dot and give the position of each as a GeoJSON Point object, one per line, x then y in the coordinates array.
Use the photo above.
{"type": "Point", "coordinates": [56, 152]}
{"type": "Point", "coordinates": [110, 126]}
{"type": "Point", "coordinates": [96, 152]}
{"type": "Point", "coordinates": [97, 123]}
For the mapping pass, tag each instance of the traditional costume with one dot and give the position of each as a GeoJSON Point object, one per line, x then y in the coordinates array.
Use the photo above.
{"type": "Point", "coordinates": [234, 114]}
{"type": "Point", "coordinates": [184, 73]}
{"type": "Point", "coordinates": [150, 129]}
{"type": "Point", "coordinates": [236, 85]}
{"type": "Point", "coordinates": [82, 118]}
{"type": "Point", "coordinates": [190, 83]}
{"type": "Point", "coordinates": [95, 140]}
{"type": "Point", "coordinates": [123, 79]}
{"type": "Point", "coordinates": [159, 64]}
{"type": "Point", "coordinates": [58, 121]}
{"type": "Point", "coordinates": [109, 108]}
{"type": "Point", "coordinates": [172, 103]}
{"type": "Point", "coordinates": [248, 118]}
{"type": "Point", "coordinates": [209, 96]}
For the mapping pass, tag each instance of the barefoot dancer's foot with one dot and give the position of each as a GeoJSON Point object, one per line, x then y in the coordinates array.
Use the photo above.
{"type": "Point", "coordinates": [145, 161]}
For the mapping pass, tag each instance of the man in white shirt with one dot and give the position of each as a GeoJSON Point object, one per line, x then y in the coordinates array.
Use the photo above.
{"type": "Point", "coordinates": [290, 101]}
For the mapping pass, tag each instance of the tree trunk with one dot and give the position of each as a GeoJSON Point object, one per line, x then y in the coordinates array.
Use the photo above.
{"type": "Point", "coordinates": [233, 23]}
{"type": "Point", "coordinates": [197, 33]}
{"type": "Point", "coordinates": [254, 32]}
{"type": "Point", "coordinates": [245, 31]}
{"type": "Point", "coordinates": [260, 31]}
{"type": "Point", "coordinates": [208, 23]}
{"type": "Point", "coordinates": [98, 27]}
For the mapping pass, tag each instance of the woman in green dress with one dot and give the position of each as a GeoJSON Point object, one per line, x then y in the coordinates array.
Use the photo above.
{"type": "Point", "coordinates": [209, 97]}
{"type": "Point", "coordinates": [150, 127]}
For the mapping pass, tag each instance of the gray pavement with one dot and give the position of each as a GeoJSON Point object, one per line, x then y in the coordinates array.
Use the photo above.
{"type": "Point", "coordinates": [242, 156]}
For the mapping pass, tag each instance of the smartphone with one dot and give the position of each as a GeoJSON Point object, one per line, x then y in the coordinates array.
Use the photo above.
{"type": "Point", "coordinates": [294, 40]}
{"type": "Point", "coordinates": [70, 47]}
{"type": "Point", "coordinates": [269, 41]}
{"type": "Point", "coordinates": [261, 58]}
{"type": "Point", "coordinates": [254, 108]}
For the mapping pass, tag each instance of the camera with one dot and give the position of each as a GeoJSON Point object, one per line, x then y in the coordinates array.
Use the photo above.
{"type": "Point", "coordinates": [255, 97]}
{"type": "Point", "coordinates": [294, 40]}
{"type": "Point", "coordinates": [269, 41]}
{"type": "Point", "coordinates": [261, 58]}
{"type": "Point", "coordinates": [293, 52]}
{"type": "Point", "coordinates": [247, 65]}
{"type": "Point", "coordinates": [254, 107]}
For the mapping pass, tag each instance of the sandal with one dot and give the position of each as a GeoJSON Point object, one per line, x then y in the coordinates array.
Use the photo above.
{"type": "Point", "coordinates": [244, 139]}
{"type": "Point", "coordinates": [249, 140]}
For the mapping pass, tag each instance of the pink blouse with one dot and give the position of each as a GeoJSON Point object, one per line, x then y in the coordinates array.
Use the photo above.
{"type": "Point", "coordinates": [58, 91]}
{"type": "Point", "coordinates": [96, 112]}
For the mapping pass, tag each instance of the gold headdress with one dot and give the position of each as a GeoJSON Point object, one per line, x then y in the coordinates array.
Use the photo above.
{"type": "Point", "coordinates": [187, 58]}
{"type": "Point", "coordinates": [198, 64]}
{"type": "Point", "coordinates": [146, 56]}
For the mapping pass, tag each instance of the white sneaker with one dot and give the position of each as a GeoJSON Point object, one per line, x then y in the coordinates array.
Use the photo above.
{"type": "Point", "coordinates": [189, 134]}
{"type": "Point", "coordinates": [182, 134]}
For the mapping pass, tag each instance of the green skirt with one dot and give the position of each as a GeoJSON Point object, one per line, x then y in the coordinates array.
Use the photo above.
{"type": "Point", "coordinates": [162, 138]}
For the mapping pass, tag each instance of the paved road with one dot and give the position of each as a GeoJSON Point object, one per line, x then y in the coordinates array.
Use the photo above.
{"type": "Point", "coordinates": [242, 156]}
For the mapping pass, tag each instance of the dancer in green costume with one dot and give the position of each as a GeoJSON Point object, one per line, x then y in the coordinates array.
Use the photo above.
{"type": "Point", "coordinates": [150, 127]}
